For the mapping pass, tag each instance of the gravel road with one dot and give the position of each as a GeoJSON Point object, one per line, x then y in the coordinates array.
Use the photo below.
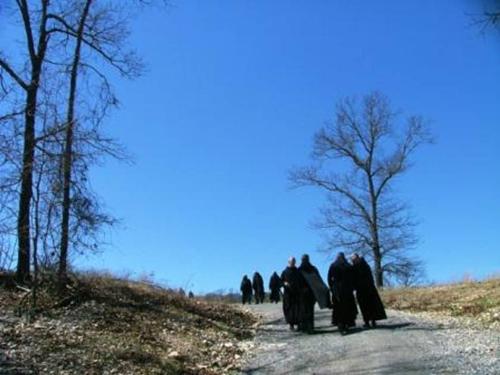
{"type": "Point", "coordinates": [402, 344]}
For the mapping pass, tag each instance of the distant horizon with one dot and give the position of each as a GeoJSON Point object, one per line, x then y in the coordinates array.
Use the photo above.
{"type": "Point", "coordinates": [151, 278]}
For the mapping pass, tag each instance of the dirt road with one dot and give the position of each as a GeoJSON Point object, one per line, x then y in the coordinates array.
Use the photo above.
{"type": "Point", "coordinates": [402, 344]}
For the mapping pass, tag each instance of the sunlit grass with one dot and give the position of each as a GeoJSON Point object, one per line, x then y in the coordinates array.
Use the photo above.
{"type": "Point", "coordinates": [466, 298]}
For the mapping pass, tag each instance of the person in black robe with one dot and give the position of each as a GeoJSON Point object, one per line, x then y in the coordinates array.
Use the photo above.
{"type": "Point", "coordinates": [340, 280]}
{"type": "Point", "coordinates": [258, 287]}
{"type": "Point", "coordinates": [307, 297]}
{"type": "Point", "coordinates": [369, 301]}
{"type": "Point", "coordinates": [292, 282]}
{"type": "Point", "coordinates": [274, 286]}
{"type": "Point", "coordinates": [246, 290]}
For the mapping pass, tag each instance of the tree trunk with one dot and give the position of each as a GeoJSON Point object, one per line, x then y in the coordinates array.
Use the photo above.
{"type": "Point", "coordinates": [23, 221]}
{"type": "Point", "coordinates": [26, 193]}
{"type": "Point", "coordinates": [377, 256]}
{"type": "Point", "coordinates": [67, 162]}
{"type": "Point", "coordinates": [377, 259]}
{"type": "Point", "coordinates": [68, 151]}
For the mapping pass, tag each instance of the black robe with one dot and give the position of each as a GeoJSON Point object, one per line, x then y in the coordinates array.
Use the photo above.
{"type": "Point", "coordinates": [307, 299]}
{"type": "Point", "coordinates": [258, 287]}
{"type": "Point", "coordinates": [369, 301]}
{"type": "Point", "coordinates": [246, 290]}
{"type": "Point", "coordinates": [292, 282]}
{"type": "Point", "coordinates": [275, 284]}
{"type": "Point", "coordinates": [340, 280]}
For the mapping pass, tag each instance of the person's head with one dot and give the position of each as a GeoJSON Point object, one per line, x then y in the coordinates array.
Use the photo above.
{"type": "Point", "coordinates": [245, 276]}
{"type": "Point", "coordinates": [341, 257]}
{"type": "Point", "coordinates": [291, 262]}
{"type": "Point", "coordinates": [305, 258]}
{"type": "Point", "coordinates": [355, 258]}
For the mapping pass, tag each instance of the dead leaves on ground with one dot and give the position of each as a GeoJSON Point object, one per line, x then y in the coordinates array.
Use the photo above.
{"type": "Point", "coordinates": [114, 326]}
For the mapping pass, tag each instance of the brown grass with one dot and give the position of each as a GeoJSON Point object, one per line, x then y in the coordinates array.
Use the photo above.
{"type": "Point", "coordinates": [108, 325]}
{"type": "Point", "coordinates": [472, 299]}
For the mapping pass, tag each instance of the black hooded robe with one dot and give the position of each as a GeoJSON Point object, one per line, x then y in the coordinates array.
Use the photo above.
{"type": "Point", "coordinates": [275, 284]}
{"type": "Point", "coordinates": [340, 280]}
{"type": "Point", "coordinates": [369, 301]}
{"type": "Point", "coordinates": [246, 290]}
{"type": "Point", "coordinates": [307, 299]}
{"type": "Point", "coordinates": [292, 282]}
{"type": "Point", "coordinates": [258, 287]}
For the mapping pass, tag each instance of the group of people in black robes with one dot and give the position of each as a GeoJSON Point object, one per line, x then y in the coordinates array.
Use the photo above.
{"type": "Point", "coordinates": [347, 283]}
{"type": "Point", "coordinates": [253, 288]}
{"type": "Point", "coordinates": [298, 296]}
{"type": "Point", "coordinates": [345, 279]}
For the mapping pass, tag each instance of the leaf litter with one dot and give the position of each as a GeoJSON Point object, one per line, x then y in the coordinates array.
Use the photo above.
{"type": "Point", "coordinates": [107, 325]}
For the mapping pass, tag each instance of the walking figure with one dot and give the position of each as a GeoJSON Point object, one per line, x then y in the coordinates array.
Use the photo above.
{"type": "Point", "coordinates": [246, 290]}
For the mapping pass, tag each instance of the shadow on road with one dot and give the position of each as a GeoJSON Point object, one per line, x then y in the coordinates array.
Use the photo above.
{"type": "Point", "coordinates": [263, 367]}
{"type": "Point", "coordinates": [393, 326]}
{"type": "Point", "coordinates": [410, 326]}
{"type": "Point", "coordinates": [275, 321]}
{"type": "Point", "coordinates": [279, 326]}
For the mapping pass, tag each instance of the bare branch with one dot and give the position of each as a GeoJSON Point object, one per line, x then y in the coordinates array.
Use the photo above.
{"type": "Point", "coordinates": [362, 213]}
{"type": "Point", "coordinates": [5, 66]}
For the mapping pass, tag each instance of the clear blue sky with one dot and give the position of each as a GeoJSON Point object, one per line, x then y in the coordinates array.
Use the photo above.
{"type": "Point", "coordinates": [234, 93]}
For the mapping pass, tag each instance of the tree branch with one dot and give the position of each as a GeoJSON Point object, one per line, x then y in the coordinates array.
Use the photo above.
{"type": "Point", "coordinates": [5, 66]}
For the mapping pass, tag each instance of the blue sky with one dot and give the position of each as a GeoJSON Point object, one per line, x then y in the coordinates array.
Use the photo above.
{"type": "Point", "coordinates": [233, 95]}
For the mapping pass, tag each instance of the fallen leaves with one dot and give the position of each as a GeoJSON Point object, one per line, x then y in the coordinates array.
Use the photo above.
{"type": "Point", "coordinates": [112, 326]}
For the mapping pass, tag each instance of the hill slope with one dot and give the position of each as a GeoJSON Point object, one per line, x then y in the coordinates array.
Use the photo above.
{"type": "Point", "coordinates": [471, 302]}
{"type": "Point", "coordinates": [108, 325]}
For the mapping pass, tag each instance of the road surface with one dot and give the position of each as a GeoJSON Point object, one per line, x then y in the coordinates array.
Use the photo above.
{"type": "Point", "coordinates": [402, 344]}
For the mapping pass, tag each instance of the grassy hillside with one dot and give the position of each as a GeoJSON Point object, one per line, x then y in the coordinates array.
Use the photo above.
{"type": "Point", "coordinates": [105, 325]}
{"type": "Point", "coordinates": [478, 300]}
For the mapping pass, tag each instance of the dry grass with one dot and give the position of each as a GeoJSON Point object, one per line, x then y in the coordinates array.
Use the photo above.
{"type": "Point", "coordinates": [472, 299]}
{"type": "Point", "coordinates": [119, 326]}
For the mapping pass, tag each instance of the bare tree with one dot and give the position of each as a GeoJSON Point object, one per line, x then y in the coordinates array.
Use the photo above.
{"type": "Point", "coordinates": [71, 44]}
{"type": "Point", "coordinates": [68, 148]}
{"type": "Point", "coordinates": [358, 158]}
{"type": "Point", "coordinates": [37, 38]}
{"type": "Point", "coordinates": [102, 30]}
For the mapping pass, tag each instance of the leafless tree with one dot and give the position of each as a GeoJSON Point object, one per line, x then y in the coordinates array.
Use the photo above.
{"type": "Point", "coordinates": [357, 159]}
{"type": "Point", "coordinates": [35, 26]}
{"type": "Point", "coordinates": [103, 32]}
{"type": "Point", "coordinates": [70, 46]}
{"type": "Point", "coordinates": [68, 146]}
